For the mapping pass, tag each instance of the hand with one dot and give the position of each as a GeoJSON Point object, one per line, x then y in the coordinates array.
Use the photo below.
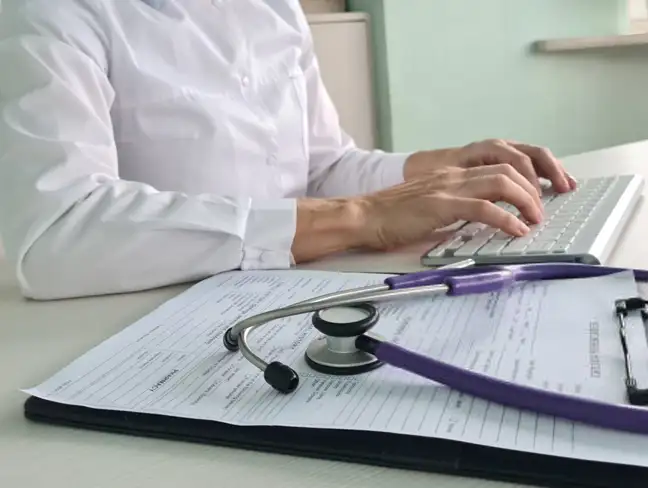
{"type": "Point", "coordinates": [530, 161]}
{"type": "Point", "coordinates": [409, 213]}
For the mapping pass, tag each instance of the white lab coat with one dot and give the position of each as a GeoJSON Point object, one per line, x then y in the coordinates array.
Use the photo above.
{"type": "Point", "coordinates": [151, 142]}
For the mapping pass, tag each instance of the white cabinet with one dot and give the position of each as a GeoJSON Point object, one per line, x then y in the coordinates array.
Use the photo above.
{"type": "Point", "coordinates": [321, 6]}
{"type": "Point", "coordinates": [343, 47]}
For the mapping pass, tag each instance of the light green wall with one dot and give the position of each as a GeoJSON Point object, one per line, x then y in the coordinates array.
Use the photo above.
{"type": "Point", "coordinates": [450, 72]}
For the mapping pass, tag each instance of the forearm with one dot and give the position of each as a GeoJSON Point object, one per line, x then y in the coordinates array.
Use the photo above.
{"type": "Point", "coordinates": [124, 236]}
{"type": "Point", "coordinates": [353, 171]}
{"type": "Point", "coordinates": [327, 226]}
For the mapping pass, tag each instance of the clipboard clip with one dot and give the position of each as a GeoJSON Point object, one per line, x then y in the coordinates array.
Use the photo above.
{"type": "Point", "coordinates": [623, 307]}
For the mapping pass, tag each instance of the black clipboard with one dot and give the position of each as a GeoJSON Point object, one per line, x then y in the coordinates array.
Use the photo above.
{"type": "Point", "coordinates": [371, 448]}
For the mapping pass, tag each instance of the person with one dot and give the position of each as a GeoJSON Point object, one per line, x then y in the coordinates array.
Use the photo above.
{"type": "Point", "coordinates": [146, 143]}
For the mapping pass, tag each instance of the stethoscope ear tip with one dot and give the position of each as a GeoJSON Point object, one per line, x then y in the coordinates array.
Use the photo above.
{"type": "Point", "coordinates": [281, 377]}
{"type": "Point", "coordinates": [230, 343]}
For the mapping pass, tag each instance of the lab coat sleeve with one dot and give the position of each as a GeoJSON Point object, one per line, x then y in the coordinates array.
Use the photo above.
{"type": "Point", "coordinates": [69, 224]}
{"type": "Point", "coordinates": [337, 166]}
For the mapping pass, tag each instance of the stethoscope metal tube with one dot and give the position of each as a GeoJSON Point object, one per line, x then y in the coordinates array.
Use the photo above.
{"type": "Point", "coordinates": [282, 377]}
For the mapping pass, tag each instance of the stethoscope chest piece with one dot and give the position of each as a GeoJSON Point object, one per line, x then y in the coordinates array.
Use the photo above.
{"type": "Point", "coordinates": [335, 353]}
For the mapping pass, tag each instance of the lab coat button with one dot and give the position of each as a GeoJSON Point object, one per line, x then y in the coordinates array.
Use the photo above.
{"type": "Point", "coordinates": [245, 81]}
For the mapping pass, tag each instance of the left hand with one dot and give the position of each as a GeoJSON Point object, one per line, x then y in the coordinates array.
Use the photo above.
{"type": "Point", "coordinates": [532, 162]}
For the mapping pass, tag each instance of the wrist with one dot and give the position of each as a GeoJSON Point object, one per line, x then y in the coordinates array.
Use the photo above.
{"type": "Point", "coordinates": [327, 226]}
{"type": "Point", "coordinates": [422, 163]}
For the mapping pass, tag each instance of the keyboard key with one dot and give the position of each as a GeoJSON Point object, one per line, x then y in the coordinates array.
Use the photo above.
{"type": "Point", "coordinates": [535, 233]}
{"type": "Point", "coordinates": [558, 223]}
{"type": "Point", "coordinates": [540, 247]}
{"type": "Point", "coordinates": [502, 236]}
{"type": "Point", "coordinates": [471, 229]}
{"type": "Point", "coordinates": [513, 249]}
{"type": "Point", "coordinates": [560, 248]}
{"type": "Point", "coordinates": [470, 248]}
{"type": "Point", "coordinates": [453, 246]}
{"type": "Point", "coordinates": [564, 241]}
{"type": "Point", "coordinates": [571, 231]}
{"type": "Point", "coordinates": [550, 234]}
{"type": "Point", "coordinates": [516, 246]}
{"type": "Point", "coordinates": [506, 206]}
{"type": "Point", "coordinates": [485, 234]}
{"type": "Point", "coordinates": [447, 248]}
{"type": "Point", "coordinates": [566, 212]}
{"type": "Point", "coordinates": [493, 248]}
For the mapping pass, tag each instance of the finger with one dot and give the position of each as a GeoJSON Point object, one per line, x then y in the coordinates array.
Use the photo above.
{"type": "Point", "coordinates": [507, 154]}
{"type": "Point", "coordinates": [511, 173]}
{"type": "Point", "coordinates": [501, 188]}
{"type": "Point", "coordinates": [485, 212]}
{"type": "Point", "coordinates": [572, 181]}
{"type": "Point", "coordinates": [547, 166]}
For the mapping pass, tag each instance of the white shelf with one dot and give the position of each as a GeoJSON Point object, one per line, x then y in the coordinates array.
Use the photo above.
{"type": "Point", "coordinates": [326, 18]}
{"type": "Point", "coordinates": [591, 43]}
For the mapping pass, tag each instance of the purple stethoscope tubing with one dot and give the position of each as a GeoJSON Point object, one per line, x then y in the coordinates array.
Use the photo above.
{"type": "Point", "coordinates": [485, 279]}
{"type": "Point", "coordinates": [492, 278]}
{"type": "Point", "coordinates": [600, 414]}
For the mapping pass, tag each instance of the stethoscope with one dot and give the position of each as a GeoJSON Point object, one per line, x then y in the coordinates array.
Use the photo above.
{"type": "Point", "coordinates": [345, 319]}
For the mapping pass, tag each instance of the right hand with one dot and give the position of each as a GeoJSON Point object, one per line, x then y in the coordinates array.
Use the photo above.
{"type": "Point", "coordinates": [411, 212]}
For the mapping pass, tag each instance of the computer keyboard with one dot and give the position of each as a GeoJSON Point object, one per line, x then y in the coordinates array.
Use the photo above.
{"type": "Point", "coordinates": [580, 226]}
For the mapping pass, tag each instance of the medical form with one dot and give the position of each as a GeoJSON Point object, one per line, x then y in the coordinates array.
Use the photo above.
{"type": "Point", "coordinates": [557, 335]}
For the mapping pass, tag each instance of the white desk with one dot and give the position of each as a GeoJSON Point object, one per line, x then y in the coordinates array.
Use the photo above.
{"type": "Point", "coordinates": [36, 339]}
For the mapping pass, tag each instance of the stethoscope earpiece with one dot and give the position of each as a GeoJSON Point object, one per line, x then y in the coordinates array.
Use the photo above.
{"type": "Point", "coordinates": [281, 377]}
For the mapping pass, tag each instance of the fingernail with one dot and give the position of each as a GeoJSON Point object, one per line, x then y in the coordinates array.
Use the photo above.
{"type": "Point", "coordinates": [522, 227]}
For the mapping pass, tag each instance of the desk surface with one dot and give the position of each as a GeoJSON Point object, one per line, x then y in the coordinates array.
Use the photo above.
{"type": "Point", "coordinates": [37, 339]}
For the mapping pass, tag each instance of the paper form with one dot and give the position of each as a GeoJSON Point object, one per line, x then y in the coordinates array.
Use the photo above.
{"type": "Point", "coordinates": [559, 335]}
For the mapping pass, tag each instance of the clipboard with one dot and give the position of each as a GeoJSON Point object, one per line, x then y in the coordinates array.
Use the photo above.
{"type": "Point", "coordinates": [369, 447]}
{"type": "Point", "coordinates": [397, 451]}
